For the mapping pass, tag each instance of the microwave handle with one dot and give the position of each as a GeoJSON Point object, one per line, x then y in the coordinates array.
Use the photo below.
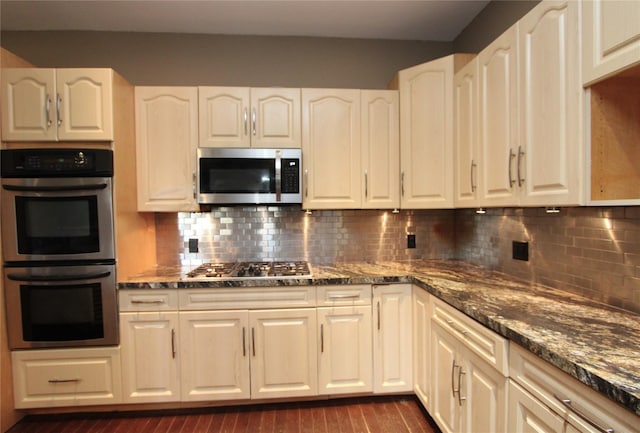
{"type": "Point", "coordinates": [278, 176]}
{"type": "Point", "coordinates": [41, 278]}
{"type": "Point", "coordinates": [93, 187]}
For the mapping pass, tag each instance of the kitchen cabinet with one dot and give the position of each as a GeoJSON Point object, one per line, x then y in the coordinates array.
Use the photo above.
{"type": "Point", "coordinates": [467, 169]}
{"type": "Point", "coordinates": [166, 143]}
{"type": "Point", "coordinates": [331, 149]}
{"type": "Point", "coordinates": [345, 363]}
{"type": "Point", "coordinates": [469, 373]}
{"type": "Point", "coordinates": [392, 340]}
{"type": "Point", "coordinates": [380, 149]}
{"type": "Point", "coordinates": [611, 41]}
{"type": "Point", "coordinates": [150, 362]}
{"type": "Point", "coordinates": [66, 377]}
{"type": "Point", "coordinates": [422, 345]}
{"type": "Point", "coordinates": [543, 392]}
{"type": "Point", "coordinates": [249, 117]}
{"type": "Point", "coordinates": [426, 132]}
{"type": "Point", "coordinates": [40, 104]}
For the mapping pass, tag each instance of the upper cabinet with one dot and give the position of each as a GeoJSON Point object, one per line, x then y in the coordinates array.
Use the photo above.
{"type": "Point", "coordinates": [611, 40]}
{"type": "Point", "coordinates": [166, 143]}
{"type": "Point", "coordinates": [426, 133]}
{"type": "Point", "coordinates": [57, 104]}
{"type": "Point", "coordinates": [249, 117]}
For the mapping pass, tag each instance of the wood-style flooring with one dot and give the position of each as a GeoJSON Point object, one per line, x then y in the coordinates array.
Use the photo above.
{"type": "Point", "coordinates": [386, 414]}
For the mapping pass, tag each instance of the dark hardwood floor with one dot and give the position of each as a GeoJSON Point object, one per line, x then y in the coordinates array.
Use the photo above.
{"type": "Point", "coordinates": [386, 414]}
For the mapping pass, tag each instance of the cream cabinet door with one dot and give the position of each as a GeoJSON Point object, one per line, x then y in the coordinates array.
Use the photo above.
{"type": "Point", "coordinates": [551, 100]}
{"type": "Point", "coordinates": [426, 134]}
{"type": "Point", "coordinates": [149, 351]}
{"type": "Point", "coordinates": [611, 40]}
{"type": "Point", "coordinates": [86, 104]}
{"type": "Point", "coordinates": [284, 359]}
{"type": "Point", "coordinates": [445, 365]}
{"type": "Point", "coordinates": [421, 345]}
{"type": "Point", "coordinates": [529, 415]}
{"type": "Point", "coordinates": [380, 149]}
{"type": "Point", "coordinates": [345, 360]}
{"type": "Point", "coordinates": [331, 150]}
{"type": "Point", "coordinates": [466, 160]}
{"type": "Point", "coordinates": [166, 143]}
{"type": "Point", "coordinates": [29, 104]}
{"type": "Point", "coordinates": [224, 116]}
{"type": "Point", "coordinates": [214, 355]}
{"type": "Point", "coordinates": [392, 355]}
{"type": "Point", "coordinates": [275, 118]}
{"type": "Point", "coordinates": [498, 120]}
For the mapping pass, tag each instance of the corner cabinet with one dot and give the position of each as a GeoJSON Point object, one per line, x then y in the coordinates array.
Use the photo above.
{"type": "Point", "coordinates": [57, 104]}
{"type": "Point", "coordinates": [166, 143]}
{"type": "Point", "coordinates": [426, 133]}
{"type": "Point", "coordinates": [249, 117]}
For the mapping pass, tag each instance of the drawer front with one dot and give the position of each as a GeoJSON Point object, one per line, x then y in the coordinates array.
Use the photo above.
{"type": "Point", "coordinates": [67, 377]}
{"type": "Point", "coordinates": [329, 296]}
{"type": "Point", "coordinates": [238, 298]}
{"type": "Point", "coordinates": [551, 386]}
{"type": "Point", "coordinates": [482, 341]}
{"type": "Point", "coordinates": [148, 300]}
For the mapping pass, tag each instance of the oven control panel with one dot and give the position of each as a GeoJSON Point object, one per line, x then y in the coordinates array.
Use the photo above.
{"type": "Point", "coordinates": [56, 162]}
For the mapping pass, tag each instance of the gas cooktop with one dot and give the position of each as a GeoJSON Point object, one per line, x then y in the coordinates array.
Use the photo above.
{"type": "Point", "coordinates": [242, 270]}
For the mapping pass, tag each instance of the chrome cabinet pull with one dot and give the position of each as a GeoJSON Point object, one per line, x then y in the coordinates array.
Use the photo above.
{"type": "Point", "coordinates": [460, 374]}
{"type": "Point", "coordinates": [173, 343]}
{"type": "Point", "coordinates": [472, 176]}
{"type": "Point", "coordinates": [306, 183]}
{"type": "Point", "coordinates": [58, 105]}
{"type": "Point", "coordinates": [244, 342]}
{"type": "Point", "coordinates": [47, 110]}
{"type": "Point", "coordinates": [74, 380]}
{"type": "Point", "coordinates": [151, 302]}
{"type": "Point", "coordinates": [402, 184]}
{"type": "Point", "coordinates": [512, 155]}
{"type": "Point", "coordinates": [520, 158]}
{"type": "Point", "coordinates": [378, 315]}
{"type": "Point", "coordinates": [453, 375]}
{"type": "Point", "coordinates": [246, 121]}
{"type": "Point", "coordinates": [194, 182]}
{"type": "Point", "coordinates": [341, 297]}
{"type": "Point", "coordinates": [569, 405]}
{"type": "Point", "coordinates": [253, 122]}
{"type": "Point", "coordinates": [322, 338]}
{"type": "Point", "coordinates": [366, 186]}
{"type": "Point", "coordinates": [253, 341]}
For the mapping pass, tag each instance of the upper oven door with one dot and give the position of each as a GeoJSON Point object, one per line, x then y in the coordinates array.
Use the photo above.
{"type": "Point", "coordinates": [57, 219]}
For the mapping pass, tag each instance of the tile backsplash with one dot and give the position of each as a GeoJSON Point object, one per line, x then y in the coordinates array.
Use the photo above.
{"type": "Point", "coordinates": [591, 251]}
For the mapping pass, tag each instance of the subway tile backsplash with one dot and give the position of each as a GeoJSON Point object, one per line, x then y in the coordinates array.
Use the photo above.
{"type": "Point", "coordinates": [591, 251]}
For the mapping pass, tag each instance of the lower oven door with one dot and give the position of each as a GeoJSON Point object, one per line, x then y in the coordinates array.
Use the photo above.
{"type": "Point", "coordinates": [61, 306]}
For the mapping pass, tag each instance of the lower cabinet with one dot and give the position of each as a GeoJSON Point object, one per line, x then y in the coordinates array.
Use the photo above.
{"type": "Point", "coordinates": [66, 377]}
{"type": "Point", "coordinates": [526, 414]}
{"type": "Point", "coordinates": [421, 345]}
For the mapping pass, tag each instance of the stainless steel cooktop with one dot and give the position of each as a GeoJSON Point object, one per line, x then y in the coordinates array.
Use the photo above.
{"type": "Point", "coordinates": [242, 270]}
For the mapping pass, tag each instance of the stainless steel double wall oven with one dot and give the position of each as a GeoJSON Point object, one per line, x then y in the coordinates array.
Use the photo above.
{"type": "Point", "coordinates": [58, 247]}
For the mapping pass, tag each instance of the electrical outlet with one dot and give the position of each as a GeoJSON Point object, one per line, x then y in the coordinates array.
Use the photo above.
{"type": "Point", "coordinates": [193, 245]}
{"type": "Point", "coordinates": [521, 251]}
{"type": "Point", "coordinates": [411, 241]}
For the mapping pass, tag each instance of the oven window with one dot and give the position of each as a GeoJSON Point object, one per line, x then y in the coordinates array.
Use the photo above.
{"type": "Point", "coordinates": [63, 225]}
{"type": "Point", "coordinates": [242, 175]}
{"type": "Point", "coordinates": [61, 313]}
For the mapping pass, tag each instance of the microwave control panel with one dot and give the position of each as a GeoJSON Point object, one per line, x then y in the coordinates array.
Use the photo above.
{"type": "Point", "coordinates": [290, 175]}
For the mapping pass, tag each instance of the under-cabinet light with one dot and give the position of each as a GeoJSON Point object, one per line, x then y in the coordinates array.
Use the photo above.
{"type": "Point", "coordinates": [481, 210]}
{"type": "Point", "coordinates": [552, 210]}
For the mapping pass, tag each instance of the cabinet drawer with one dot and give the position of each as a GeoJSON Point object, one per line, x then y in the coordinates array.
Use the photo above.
{"type": "Point", "coordinates": [482, 341]}
{"type": "Point", "coordinates": [66, 377]}
{"type": "Point", "coordinates": [551, 386]}
{"type": "Point", "coordinates": [329, 296]}
{"type": "Point", "coordinates": [148, 300]}
{"type": "Point", "coordinates": [225, 298]}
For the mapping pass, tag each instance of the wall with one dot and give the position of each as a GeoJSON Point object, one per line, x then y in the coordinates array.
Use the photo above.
{"type": "Point", "coordinates": [286, 233]}
{"type": "Point", "coordinates": [196, 59]}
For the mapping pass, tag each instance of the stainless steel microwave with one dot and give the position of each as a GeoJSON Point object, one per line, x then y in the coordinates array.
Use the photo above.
{"type": "Point", "coordinates": [249, 176]}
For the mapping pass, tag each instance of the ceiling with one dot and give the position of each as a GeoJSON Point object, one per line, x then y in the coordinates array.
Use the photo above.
{"type": "Point", "coordinates": [434, 20]}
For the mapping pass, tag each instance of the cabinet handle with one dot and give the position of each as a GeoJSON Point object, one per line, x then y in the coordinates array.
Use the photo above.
{"type": "Point", "coordinates": [74, 380]}
{"type": "Point", "coordinates": [451, 323]}
{"type": "Point", "coordinates": [151, 302]}
{"type": "Point", "coordinates": [244, 342]}
{"type": "Point", "coordinates": [453, 375]}
{"type": "Point", "coordinates": [322, 338]}
{"type": "Point", "coordinates": [342, 297]}
{"type": "Point", "coordinates": [402, 184]}
{"type": "Point", "coordinates": [568, 404]}
{"type": "Point", "coordinates": [366, 185]}
{"type": "Point", "coordinates": [520, 158]}
{"type": "Point", "coordinates": [246, 121]}
{"type": "Point", "coordinates": [460, 397]}
{"type": "Point", "coordinates": [512, 155]}
{"type": "Point", "coordinates": [253, 121]}
{"type": "Point", "coordinates": [58, 105]}
{"type": "Point", "coordinates": [194, 183]}
{"type": "Point", "coordinates": [253, 341]}
{"type": "Point", "coordinates": [378, 315]}
{"type": "Point", "coordinates": [47, 110]}
{"type": "Point", "coordinates": [306, 183]}
{"type": "Point", "coordinates": [472, 176]}
{"type": "Point", "coordinates": [173, 343]}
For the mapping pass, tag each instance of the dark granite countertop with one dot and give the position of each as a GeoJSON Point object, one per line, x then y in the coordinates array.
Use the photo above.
{"type": "Point", "coordinates": [596, 344]}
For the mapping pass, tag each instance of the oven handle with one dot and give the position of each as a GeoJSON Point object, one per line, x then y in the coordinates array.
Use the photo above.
{"type": "Point", "coordinates": [92, 187]}
{"type": "Point", "coordinates": [40, 278]}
